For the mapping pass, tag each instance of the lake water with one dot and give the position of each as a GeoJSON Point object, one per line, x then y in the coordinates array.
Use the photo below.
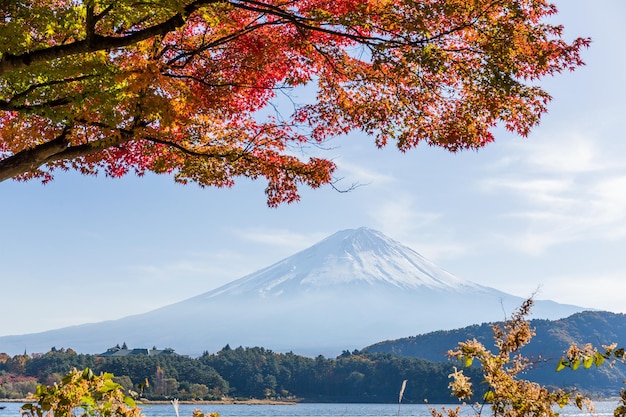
{"type": "Point", "coordinates": [603, 409]}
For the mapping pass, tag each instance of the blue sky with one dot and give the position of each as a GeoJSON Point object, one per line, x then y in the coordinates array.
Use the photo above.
{"type": "Point", "coordinates": [546, 211]}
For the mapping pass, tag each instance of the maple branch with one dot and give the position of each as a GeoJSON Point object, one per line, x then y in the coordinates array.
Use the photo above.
{"type": "Point", "coordinates": [188, 55]}
{"type": "Point", "coordinates": [97, 42]}
{"type": "Point", "coordinates": [220, 85]}
{"type": "Point", "coordinates": [30, 108]}
{"type": "Point", "coordinates": [10, 104]}
{"type": "Point", "coordinates": [350, 188]}
{"type": "Point", "coordinates": [231, 156]}
{"type": "Point", "coordinates": [51, 83]}
{"type": "Point", "coordinates": [357, 36]}
{"type": "Point", "coordinates": [31, 159]}
{"type": "Point", "coordinates": [89, 148]}
{"type": "Point", "coordinates": [301, 21]}
{"type": "Point", "coordinates": [103, 13]}
{"type": "Point", "coordinates": [90, 21]}
{"type": "Point", "coordinates": [59, 149]}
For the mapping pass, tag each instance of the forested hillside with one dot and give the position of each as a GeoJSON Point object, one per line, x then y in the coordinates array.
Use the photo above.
{"type": "Point", "coordinates": [553, 337]}
{"type": "Point", "coordinates": [247, 373]}
{"type": "Point", "coordinates": [371, 375]}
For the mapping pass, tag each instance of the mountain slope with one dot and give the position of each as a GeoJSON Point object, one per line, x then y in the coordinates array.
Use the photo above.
{"type": "Point", "coordinates": [552, 339]}
{"type": "Point", "coordinates": [361, 257]}
{"type": "Point", "coordinates": [350, 290]}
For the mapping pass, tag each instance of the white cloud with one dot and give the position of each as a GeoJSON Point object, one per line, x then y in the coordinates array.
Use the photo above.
{"type": "Point", "coordinates": [283, 238]}
{"type": "Point", "coordinates": [398, 217]}
{"type": "Point", "coordinates": [534, 241]}
{"type": "Point", "coordinates": [423, 231]}
{"type": "Point", "coordinates": [566, 187]}
{"type": "Point", "coordinates": [206, 269]}
{"type": "Point", "coordinates": [564, 149]}
{"type": "Point", "coordinates": [594, 290]}
{"type": "Point", "coordinates": [607, 201]}
{"type": "Point", "coordinates": [192, 273]}
{"type": "Point", "coordinates": [570, 151]}
{"type": "Point", "coordinates": [439, 251]}
{"type": "Point", "coordinates": [361, 174]}
{"type": "Point", "coordinates": [539, 190]}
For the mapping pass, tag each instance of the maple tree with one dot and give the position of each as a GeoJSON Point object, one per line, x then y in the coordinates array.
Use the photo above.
{"type": "Point", "coordinates": [188, 87]}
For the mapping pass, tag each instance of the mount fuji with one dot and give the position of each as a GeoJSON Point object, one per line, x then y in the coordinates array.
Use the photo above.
{"type": "Point", "coordinates": [352, 289]}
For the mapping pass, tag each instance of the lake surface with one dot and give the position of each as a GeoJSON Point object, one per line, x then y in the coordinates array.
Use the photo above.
{"type": "Point", "coordinates": [604, 408]}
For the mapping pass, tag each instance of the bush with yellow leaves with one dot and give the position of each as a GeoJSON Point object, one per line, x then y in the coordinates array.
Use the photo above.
{"type": "Point", "coordinates": [507, 395]}
{"type": "Point", "coordinates": [84, 394]}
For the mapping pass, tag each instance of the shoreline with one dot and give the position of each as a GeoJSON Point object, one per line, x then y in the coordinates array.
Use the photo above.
{"type": "Point", "coordinates": [227, 401]}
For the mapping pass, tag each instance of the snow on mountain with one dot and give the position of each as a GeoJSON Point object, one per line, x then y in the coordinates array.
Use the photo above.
{"type": "Point", "coordinates": [352, 289]}
{"type": "Point", "coordinates": [350, 257]}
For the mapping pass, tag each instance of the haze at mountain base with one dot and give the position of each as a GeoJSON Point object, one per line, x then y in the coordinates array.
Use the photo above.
{"type": "Point", "coordinates": [352, 289]}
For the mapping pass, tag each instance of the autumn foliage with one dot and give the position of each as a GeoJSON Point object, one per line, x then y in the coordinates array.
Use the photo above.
{"type": "Point", "coordinates": [508, 394]}
{"type": "Point", "coordinates": [189, 87]}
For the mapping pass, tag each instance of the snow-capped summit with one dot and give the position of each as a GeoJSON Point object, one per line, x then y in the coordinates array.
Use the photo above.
{"type": "Point", "coordinates": [352, 289]}
{"type": "Point", "coordinates": [357, 258]}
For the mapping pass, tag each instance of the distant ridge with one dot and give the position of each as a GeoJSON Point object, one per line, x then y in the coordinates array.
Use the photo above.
{"type": "Point", "coordinates": [350, 290]}
{"type": "Point", "coordinates": [552, 339]}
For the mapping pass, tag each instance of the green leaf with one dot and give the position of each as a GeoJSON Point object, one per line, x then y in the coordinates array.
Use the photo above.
{"type": "Point", "coordinates": [88, 400]}
{"type": "Point", "coordinates": [88, 374]}
{"type": "Point", "coordinates": [587, 362]}
{"type": "Point", "coordinates": [598, 359]}
{"type": "Point", "coordinates": [468, 361]}
{"type": "Point", "coordinates": [489, 396]}
{"type": "Point", "coordinates": [562, 364]}
{"type": "Point", "coordinates": [67, 378]}
{"type": "Point", "coordinates": [129, 401]}
{"type": "Point", "coordinates": [576, 364]}
{"type": "Point", "coordinates": [109, 386]}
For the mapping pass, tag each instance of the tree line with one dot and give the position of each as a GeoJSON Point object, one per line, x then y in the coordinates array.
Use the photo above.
{"type": "Point", "coordinates": [241, 372]}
